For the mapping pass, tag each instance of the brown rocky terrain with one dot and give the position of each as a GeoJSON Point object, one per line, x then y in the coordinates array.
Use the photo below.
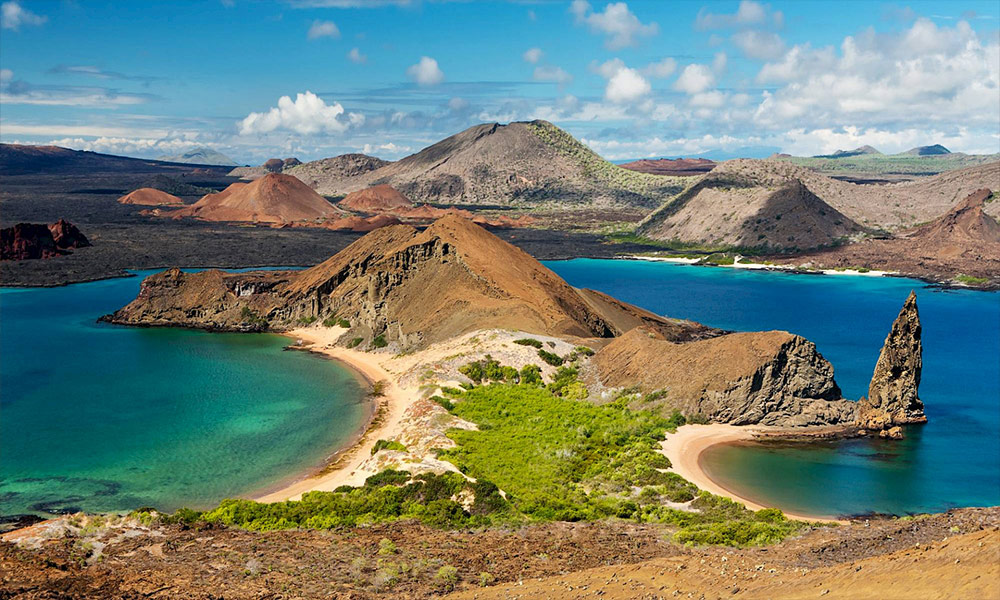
{"type": "Point", "coordinates": [274, 198]}
{"type": "Point", "coordinates": [31, 240]}
{"type": "Point", "coordinates": [678, 167]}
{"type": "Point", "coordinates": [376, 199]}
{"type": "Point", "coordinates": [762, 378]}
{"type": "Point", "coordinates": [949, 555]}
{"type": "Point", "coordinates": [337, 167]}
{"type": "Point", "coordinates": [892, 395]}
{"type": "Point", "coordinates": [731, 207]}
{"type": "Point", "coordinates": [18, 159]}
{"type": "Point", "coordinates": [532, 164]}
{"type": "Point", "coordinates": [965, 241]}
{"type": "Point", "coordinates": [271, 165]}
{"type": "Point", "coordinates": [407, 287]}
{"type": "Point", "coordinates": [890, 207]}
{"type": "Point", "coordinates": [150, 197]}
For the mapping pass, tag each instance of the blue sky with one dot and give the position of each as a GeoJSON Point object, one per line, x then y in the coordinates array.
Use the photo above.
{"type": "Point", "coordinates": [315, 78]}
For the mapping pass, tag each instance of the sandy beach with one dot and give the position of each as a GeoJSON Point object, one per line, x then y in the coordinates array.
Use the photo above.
{"type": "Point", "coordinates": [684, 449]}
{"type": "Point", "coordinates": [345, 470]}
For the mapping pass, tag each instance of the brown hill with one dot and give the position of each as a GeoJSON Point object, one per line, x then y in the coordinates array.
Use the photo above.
{"type": "Point", "coordinates": [274, 198]}
{"type": "Point", "coordinates": [404, 286]}
{"type": "Point", "coordinates": [891, 207]}
{"type": "Point", "coordinates": [525, 164]}
{"type": "Point", "coordinates": [337, 167]}
{"type": "Point", "coordinates": [150, 197]}
{"type": "Point", "coordinates": [376, 199]}
{"type": "Point", "coordinates": [963, 242]}
{"type": "Point", "coordinates": [732, 206]}
{"type": "Point", "coordinates": [679, 167]}
{"type": "Point", "coordinates": [19, 159]}
{"type": "Point", "coordinates": [768, 378]}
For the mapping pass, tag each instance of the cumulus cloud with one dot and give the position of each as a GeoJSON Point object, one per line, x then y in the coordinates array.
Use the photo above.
{"type": "Point", "coordinates": [925, 74]}
{"type": "Point", "coordinates": [759, 45]}
{"type": "Point", "coordinates": [694, 79]}
{"type": "Point", "coordinates": [308, 114]}
{"type": "Point", "coordinates": [627, 85]}
{"type": "Point", "coordinates": [13, 16]}
{"type": "Point", "coordinates": [749, 13]}
{"type": "Point", "coordinates": [552, 74]}
{"type": "Point", "coordinates": [356, 57]}
{"type": "Point", "coordinates": [532, 55]}
{"type": "Point", "coordinates": [662, 69]}
{"type": "Point", "coordinates": [425, 72]}
{"type": "Point", "coordinates": [617, 23]}
{"type": "Point", "coordinates": [320, 29]}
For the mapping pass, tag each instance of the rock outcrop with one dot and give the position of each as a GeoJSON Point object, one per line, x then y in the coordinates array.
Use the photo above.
{"type": "Point", "coordinates": [763, 378]}
{"type": "Point", "coordinates": [407, 287]}
{"type": "Point", "coordinates": [32, 240]}
{"type": "Point", "coordinates": [892, 395]}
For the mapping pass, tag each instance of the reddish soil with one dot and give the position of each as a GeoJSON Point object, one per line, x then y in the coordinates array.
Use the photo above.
{"type": "Point", "coordinates": [150, 197]}
{"type": "Point", "coordinates": [678, 167]}
{"type": "Point", "coordinates": [274, 198]}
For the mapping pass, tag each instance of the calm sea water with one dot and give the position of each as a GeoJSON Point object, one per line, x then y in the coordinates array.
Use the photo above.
{"type": "Point", "coordinates": [101, 417]}
{"type": "Point", "coordinates": [952, 461]}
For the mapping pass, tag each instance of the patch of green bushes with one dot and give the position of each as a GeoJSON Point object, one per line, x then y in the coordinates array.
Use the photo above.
{"type": "Point", "coordinates": [306, 320]}
{"type": "Point", "coordinates": [251, 317]}
{"type": "Point", "coordinates": [379, 342]}
{"type": "Point", "coordinates": [528, 342]}
{"type": "Point", "coordinates": [388, 445]}
{"type": "Point", "coordinates": [550, 357]}
{"type": "Point", "coordinates": [354, 342]}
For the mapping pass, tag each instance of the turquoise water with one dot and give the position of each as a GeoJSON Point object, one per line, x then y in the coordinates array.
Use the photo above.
{"type": "Point", "coordinates": [100, 417]}
{"type": "Point", "coordinates": [952, 461]}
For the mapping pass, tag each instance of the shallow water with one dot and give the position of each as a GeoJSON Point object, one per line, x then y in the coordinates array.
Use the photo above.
{"type": "Point", "coordinates": [100, 417]}
{"type": "Point", "coordinates": [952, 461]}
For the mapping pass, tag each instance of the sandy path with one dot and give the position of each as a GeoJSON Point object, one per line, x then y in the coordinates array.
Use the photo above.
{"type": "Point", "coordinates": [387, 422]}
{"type": "Point", "coordinates": [684, 450]}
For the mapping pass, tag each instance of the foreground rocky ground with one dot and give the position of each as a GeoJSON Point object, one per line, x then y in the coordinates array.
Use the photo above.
{"type": "Point", "coordinates": [954, 554]}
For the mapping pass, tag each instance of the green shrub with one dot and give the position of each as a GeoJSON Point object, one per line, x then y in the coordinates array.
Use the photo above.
{"type": "Point", "coordinates": [583, 351]}
{"type": "Point", "coordinates": [529, 342]}
{"type": "Point", "coordinates": [379, 342]}
{"type": "Point", "coordinates": [344, 323]}
{"type": "Point", "coordinates": [447, 404]}
{"type": "Point", "coordinates": [330, 321]}
{"type": "Point", "coordinates": [531, 375]}
{"type": "Point", "coordinates": [306, 320]}
{"type": "Point", "coordinates": [386, 546]}
{"type": "Point", "coordinates": [550, 357]}
{"type": "Point", "coordinates": [354, 342]}
{"type": "Point", "coordinates": [447, 577]}
{"type": "Point", "coordinates": [251, 317]}
{"type": "Point", "coordinates": [388, 445]}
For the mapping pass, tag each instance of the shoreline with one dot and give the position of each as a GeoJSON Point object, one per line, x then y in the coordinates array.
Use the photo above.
{"type": "Point", "coordinates": [685, 448]}
{"type": "Point", "coordinates": [343, 466]}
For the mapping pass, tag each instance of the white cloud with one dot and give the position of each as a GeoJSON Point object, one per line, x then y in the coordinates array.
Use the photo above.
{"type": "Point", "coordinates": [694, 79]}
{"type": "Point", "coordinates": [320, 29]}
{"type": "Point", "coordinates": [13, 16]}
{"type": "Point", "coordinates": [457, 104]}
{"type": "Point", "coordinates": [356, 57]}
{"type": "Point", "coordinates": [553, 74]}
{"type": "Point", "coordinates": [390, 148]}
{"type": "Point", "coordinates": [748, 14]}
{"type": "Point", "coordinates": [664, 68]}
{"type": "Point", "coordinates": [6, 74]}
{"type": "Point", "coordinates": [921, 76]}
{"type": "Point", "coordinates": [627, 85]}
{"type": "Point", "coordinates": [425, 72]}
{"type": "Point", "coordinates": [713, 99]}
{"type": "Point", "coordinates": [719, 62]}
{"type": "Point", "coordinates": [759, 45]}
{"type": "Point", "coordinates": [620, 26]}
{"type": "Point", "coordinates": [532, 55]}
{"type": "Point", "coordinates": [308, 114]}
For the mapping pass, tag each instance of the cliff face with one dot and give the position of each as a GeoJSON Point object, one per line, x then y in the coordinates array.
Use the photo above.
{"type": "Point", "coordinates": [409, 287]}
{"type": "Point", "coordinates": [766, 378]}
{"type": "Point", "coordinates": [892, 394]}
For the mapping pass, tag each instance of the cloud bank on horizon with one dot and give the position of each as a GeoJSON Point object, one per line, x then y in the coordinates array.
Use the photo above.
{"type": "Point", "coordinates": [314, 78]}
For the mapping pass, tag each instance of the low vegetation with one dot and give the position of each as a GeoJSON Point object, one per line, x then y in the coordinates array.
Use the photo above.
{"type": "Point", "coordinates": [554, 455]}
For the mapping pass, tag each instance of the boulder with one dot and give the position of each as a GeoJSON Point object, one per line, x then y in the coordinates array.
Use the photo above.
{"type": "Point", "coordinates": [892, 395]}
{"type": "Point", "coordinates": [34, 240]}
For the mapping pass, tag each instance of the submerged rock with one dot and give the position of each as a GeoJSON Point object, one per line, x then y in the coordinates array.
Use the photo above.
{"type": "Point", "coordinates": [892, 395]}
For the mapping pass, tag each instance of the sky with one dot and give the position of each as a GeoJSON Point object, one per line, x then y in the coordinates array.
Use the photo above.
{"type": "Point", "coordinates": [636, 79]}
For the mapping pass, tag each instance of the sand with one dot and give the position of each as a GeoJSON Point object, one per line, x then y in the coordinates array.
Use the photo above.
{"type": "Point", "coordinates": [386, 423]}
{"type": "Point", "coordinates": [685, 447]}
